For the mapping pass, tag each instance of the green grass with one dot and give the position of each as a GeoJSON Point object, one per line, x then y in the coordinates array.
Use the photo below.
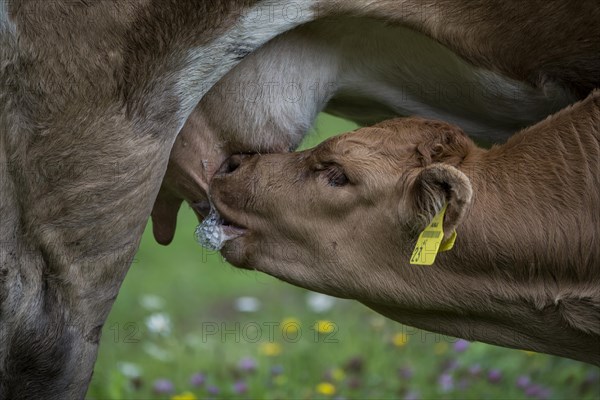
{"type": "Point", "coordinates": [209, 335]}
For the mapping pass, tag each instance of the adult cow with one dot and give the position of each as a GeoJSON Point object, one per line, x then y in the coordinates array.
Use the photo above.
{"type": "Point", "coordinates": [92, 98]}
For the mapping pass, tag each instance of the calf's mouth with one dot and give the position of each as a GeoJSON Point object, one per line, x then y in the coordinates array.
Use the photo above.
{"type": "Point", "coordinates": [222, 223]}
{"type": "Point", "coordinates": [215, 230]}
{"type": "Point", "coordinates": [230, 226]}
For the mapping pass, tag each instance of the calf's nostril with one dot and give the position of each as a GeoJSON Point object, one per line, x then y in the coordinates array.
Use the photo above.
{"type": "Point", "coordinates": [202, 207]}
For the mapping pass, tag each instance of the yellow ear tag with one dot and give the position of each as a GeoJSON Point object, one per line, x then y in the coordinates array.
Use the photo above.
{"type": "Point", "coordinates": [431, 241]}
{"type": "Point", "coordinates": [448, 244]}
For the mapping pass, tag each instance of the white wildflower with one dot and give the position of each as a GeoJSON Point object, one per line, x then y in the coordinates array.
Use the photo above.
{"type": "Point", "coordinates": [247, 304]}
{"type": "Point", "coordinates": [159, 323]}
{"type": "Point", "coordinates": [129, 370]}
{"type": "Point", "coordinates": [152, 302]}
{"type": "Point", "coordinates": [319, 302]}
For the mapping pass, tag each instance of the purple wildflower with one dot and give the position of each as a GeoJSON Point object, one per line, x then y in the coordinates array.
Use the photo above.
{"type": "Point", "coordinates": [494, 376]}
{"type": "Point", "coordinates": [592, 377]}
{"type": "Point", "coordinates": [475, 369]}
{"type": "Point", "coordinates": [449, 365]}
{"type": "Point", "coordinates": [533, 390]}
{"type": "Point", "coordinates": [523, 382]}
{"type": "Point", "coordinates": [211, 389]}
{"type": "Point", "coordinates": [446, 382]}
{"type": "Point", "coordinates": [405, 372]}
{"type": "Point", "coordinates": [539, 392]}
{"type": "Point", "coordinates": [590, 382]}
{"type": "Point", "coordinates": [163, 386]}
{"type": "Point", "coordinates": [544, 394]}
{"type": "Point", "coordinates": [461, 345]}
{"type": "Point", "coordinates": [240, 387]}
{"type": "Point", "coordinates": [247, 364]}
{"type": "Point", "coordinates": [412, 395]}
{"type": "Point", "coordinates": [197, 379]}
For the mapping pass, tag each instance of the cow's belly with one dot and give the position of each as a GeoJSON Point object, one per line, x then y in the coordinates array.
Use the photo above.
{"type": "Point", "coordinates": [365, 71]}
{"type": "Point", "coordinates": [387, 71]}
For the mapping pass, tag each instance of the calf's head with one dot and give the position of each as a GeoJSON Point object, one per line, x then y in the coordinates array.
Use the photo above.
{"type": "Point", "coordinates": [338, 218]}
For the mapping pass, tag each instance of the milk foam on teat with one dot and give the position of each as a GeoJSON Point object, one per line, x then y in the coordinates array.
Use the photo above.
{"type": "Point", "coordinates": [210, 233]}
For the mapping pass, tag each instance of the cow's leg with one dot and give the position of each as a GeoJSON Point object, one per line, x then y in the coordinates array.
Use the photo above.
{"type": "Point", "coordinates": [82, 219]}
{"type": "Point", "coordinates": [94, 98]}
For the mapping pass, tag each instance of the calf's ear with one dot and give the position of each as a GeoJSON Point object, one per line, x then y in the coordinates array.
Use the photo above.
{"type": "Point", "coordinates": [440, 184]}
{"type": "Point", "coordinates": [442, 143]}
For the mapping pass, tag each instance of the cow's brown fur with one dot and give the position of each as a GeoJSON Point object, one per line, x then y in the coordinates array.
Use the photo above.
{"type": "Point", "coordinates": [92, 96]}
{"type": "Point", "coordinates": [479, 31]}
{"type": "Point", "coordinates": [525, 270]}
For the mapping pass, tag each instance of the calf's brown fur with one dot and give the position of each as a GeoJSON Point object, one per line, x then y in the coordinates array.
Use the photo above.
{"type": "Point", "coordinates": [343, 219]}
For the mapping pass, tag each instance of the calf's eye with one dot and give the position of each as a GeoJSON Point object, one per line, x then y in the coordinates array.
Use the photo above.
{"type": "Point", "coordinates": [335, 176]}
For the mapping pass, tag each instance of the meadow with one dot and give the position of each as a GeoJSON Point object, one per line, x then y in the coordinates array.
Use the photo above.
{"type": "Point", "coordinates": [187, 325]}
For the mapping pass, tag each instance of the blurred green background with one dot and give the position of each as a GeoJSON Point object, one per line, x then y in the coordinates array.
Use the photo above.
{"type": "Point", "coordinates": [187, 325]}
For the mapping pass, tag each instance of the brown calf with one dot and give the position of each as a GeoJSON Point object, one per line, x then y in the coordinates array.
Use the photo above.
{"type": "Point", "coordinates": [344, 218]}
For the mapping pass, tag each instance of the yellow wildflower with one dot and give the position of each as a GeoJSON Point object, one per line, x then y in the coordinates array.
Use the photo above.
{"type": "Point", "coordinates": [529, 353]}
{"type": "Point", "coordinates": [338, 374]}
{"type": "Point", "coordinates": [184, 396]}
{"type": "Point", "coordinates": [270, 349]}
{"type": "Point", "coordinates": [326, 389]}
{"type": "Point", "coordinates": [400, 339]}
{"type": "Point", "coordinates": [440, 348]}
{"type": "Point", "coordinates": [323, 326]}
{"type": "Point", "coordinates": [290, 326]}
